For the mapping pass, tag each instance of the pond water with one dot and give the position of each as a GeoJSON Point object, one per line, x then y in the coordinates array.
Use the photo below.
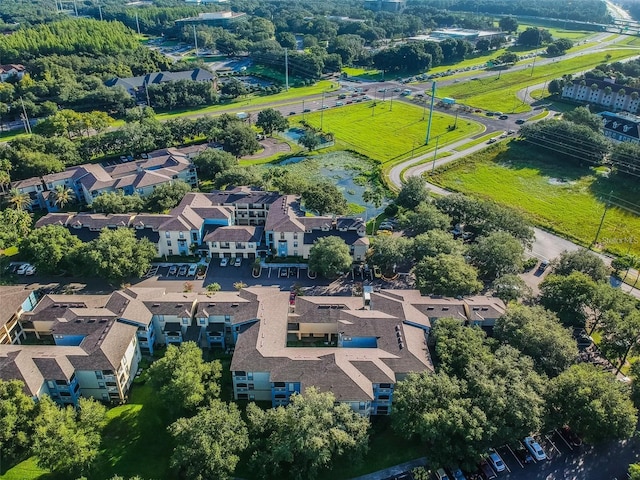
{"type": "Point", "coordinates": [348, 172]}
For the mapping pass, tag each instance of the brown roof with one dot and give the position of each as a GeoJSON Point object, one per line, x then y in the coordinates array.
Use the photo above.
{"type": "Point", "coordinates": [11, 299]}
{"type": "Point", "coordinates": [241, 233]}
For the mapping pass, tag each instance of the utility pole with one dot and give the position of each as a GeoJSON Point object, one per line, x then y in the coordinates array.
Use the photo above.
{"type": "Point", "coordinates": [606, 207]}
{"type": "Point", "coordinates": [27, 125]}
{"type": "Point", "coordinates": [75, 7]}
{"type": "Point", "coordinates": [435, 153]}
{"type": "Point", "coordinates": [100, 11]}
{"type": "Point", "coordinates": [322, 112]}
{"type": "Point", "coordinates": [146, 90]}
{"type": "Point", "coordinates": [286, 69]}
{"type": "Point", "coordinates": [433, 97]}
{"type": "Point", "coordinates": [195, 39]}
{"type": "Point", "coordinates": [137, 23]}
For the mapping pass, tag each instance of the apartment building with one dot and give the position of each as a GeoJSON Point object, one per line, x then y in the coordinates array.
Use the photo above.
{"type": "Point", "coordinates": [604, 93]}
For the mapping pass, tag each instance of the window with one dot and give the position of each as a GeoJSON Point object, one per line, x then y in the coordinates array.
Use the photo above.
{"type": "Point", "coordinates": [251, 386]}
{"type": "Point", "coordinates": [239, 245]}
{"type": "Point", "coordinates": [383, 397]}
{"type": "Point", "coordinates": [202, 321]}
{"type": "Point", "coordinates": [240, 373]}
{"type": "Point", "coordinates": [281, 235]}
{"type": "Point", "coordinates": [291, 387]}
{"type": "Point", "coordinates": [385, 385]}
{"type": "Point", "coordinates": [100, 384]}
{"type": "Point", "coordinates": [279, 384]}
{"type": "Point", "coordinates": [185, 321]}
{"type": "Point", "coordinates": [171, 251]}
{"type": "Point", "coordinates": [295, 235]}
{"type": "Point", "coordinates": [249, 375]}
{"type": "Point", "coordinates": [50, 384]}
{"type": "Point", "coordinates": [243, 396]}
{"type": "Point", "coordinates": [181, 235]}
{"type": "Point", "coordinates": [98, 374]}
{"type": "Point", "coordinates": [65, 394]}
{"type": "Point", "coordinates": [167, 234]}
{"type": "Point", "coordinates": [61, 383]}
{"type": "Point", "coordinates": [362, 406]}
{"type": "Point", "coordinates": [295, 244]}
{"type": "Point", "coordinates": [168, 243]}
{"type": "Point", "coordinates": [194, 236]}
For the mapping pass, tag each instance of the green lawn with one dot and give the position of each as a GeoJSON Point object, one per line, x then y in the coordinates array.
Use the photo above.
{"type": "Point", "coordinates": [516, 175]}
{"type": "Point", "coordinates": [500, 93]}
{"type": "Point", "coordinates": [363, 73]}
{"type": "Point", "coordinates": [388, 135]}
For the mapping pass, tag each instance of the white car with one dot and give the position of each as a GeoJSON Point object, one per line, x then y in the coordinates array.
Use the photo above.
{"type": "Point", "coordinates": [224, 261]}
{"type": "Point", "coordinates": [22, 269]}
{"type": "Point", "coordinates": [31, 270]}
{"type": "Point", "coordinates": [193, 269]}
{"type": "Point", "coordinates": [496, 462]}
{"type": "Point", "coordinates": [535, 448]}
{"type": "Point", "coordinates": [237, 262]}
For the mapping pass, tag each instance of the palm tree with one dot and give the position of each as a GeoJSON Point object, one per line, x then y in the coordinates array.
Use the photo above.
{"type": "Point", "coordinates": [19, 200]}
{"type": "Point", "coordinates": [5, 179]}
{"type": "Point", "coordinates": [62, 196]}
{"type": "Point", "coordinates": [622, 92]}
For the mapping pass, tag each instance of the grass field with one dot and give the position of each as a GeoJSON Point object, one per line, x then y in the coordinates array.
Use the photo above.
{"type": "Point", "coordinates": [363, 73]}
{"type": "Point", "coordinates": [500, 93]}
{"type": "Point", "coordinates": [477, 141]}
{"type": "Point", "coordinates": [388, 135]}
{"type": "Point", "coordinates": [564, 198]}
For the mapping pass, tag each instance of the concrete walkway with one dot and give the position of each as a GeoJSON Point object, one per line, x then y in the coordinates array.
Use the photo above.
{"type": "Point", "coordinates": [396, 470]}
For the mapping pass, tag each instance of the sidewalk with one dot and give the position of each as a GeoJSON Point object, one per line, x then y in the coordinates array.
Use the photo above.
{"type": "Point", "coordinates": [396, 470]}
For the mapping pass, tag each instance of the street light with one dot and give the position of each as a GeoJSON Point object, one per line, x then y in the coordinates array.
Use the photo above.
{"type": "Point", "coordinates": [435, 152]}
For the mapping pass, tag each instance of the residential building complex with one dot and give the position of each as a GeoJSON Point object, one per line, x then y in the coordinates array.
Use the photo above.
{"type": "Point", "coordinates": [136, 85]}
{"type": "Point", "coordinates": [235, 223]}
{"type": "Point", "coordinates": [622, 126]}
{"type": "Point", "coordinates": [358, 348]}
{"type": "Point", "coordinates": [216, 19]}
{"type": "Point", "coordinates": [13, 71]}
{"type": "Point", "coordinates": [604, 93]}
{"type": "Point", "coordinates": [132, 177]}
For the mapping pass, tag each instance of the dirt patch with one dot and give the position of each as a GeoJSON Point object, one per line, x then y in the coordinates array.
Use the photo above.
{"type": "Point", "coordinates": [271, 147]}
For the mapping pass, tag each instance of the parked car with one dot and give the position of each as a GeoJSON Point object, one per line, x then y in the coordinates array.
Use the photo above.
{"type": "Point", "coordinates": [520, 121]}
{"type": "Point", "coordinates": [377, 273]}
{"type": "Point", "coordinates": [442, 475]}
{"type": "Point", "coordinates": [543, 266]}
{"type": "Point", "coordinates": [496, 462]}
{"type": "Point", "coordinates": [31, 270]}
{"type": "Point", "coordinates": [237, 262]}
{"type": "Point", "coordinates": [503, 117]}
{"type": "Point", "coordinates": [193, 269]}
{"type": "Point", "coordinates": [486, 471]}
{"type": "Point", "coordinates": [571, 436]}
{"type": "Point", "coordinates": [22, 269]}
{"type": "Point", "coordinates": [535, 448]}
{"type": "Point", "coordinates": [582, 338]}
{"type": "Point", "coordinates": [183, 270]}
{"type": "Point", "coordinates": [173, 269]}
{"type": "Point", "coordinates": [292, 113]}
{"type": "Point", "coordinates": [224, 261]}
{"type": "Point", "coordinates": [458, 474]}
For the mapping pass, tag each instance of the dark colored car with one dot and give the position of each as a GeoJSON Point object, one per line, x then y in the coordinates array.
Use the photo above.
{"type": "Point", "coordinates": [543, 266]}
{"type": "Point", "coordinates": [520, 121]}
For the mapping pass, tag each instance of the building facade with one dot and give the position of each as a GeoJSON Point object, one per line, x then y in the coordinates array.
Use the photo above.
{"type": "Point", "coordinates": [604, 93]}
{"type": "Point", "coordinates": [621, 126]}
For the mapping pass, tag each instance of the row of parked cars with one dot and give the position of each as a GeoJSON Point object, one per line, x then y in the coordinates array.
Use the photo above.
{"type": "Point", "coordinates": [22, 269]}
{"type": "Point", "coordinates": [236, 262]}
{"type": "Point", "coordinates": [489, 468]}
{"type": "Point", "coordinates": [183, 270]}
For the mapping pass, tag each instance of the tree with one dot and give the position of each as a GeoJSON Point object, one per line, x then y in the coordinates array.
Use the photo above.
{"type": "Point", "coordinates": [66, 440]}
{"type": "Point", "coordinates": [424, 217]}
{"type": "Point", "coordinates": [14, 226]}
{"type": "Point", "coordinates": [436, 409]}
{"type": "Point", "coordinates": [483, 45]}
{"type": "Point", "coordinates": [592, 402]}
{"type": "Point", "coordinates": [330, 257]}
{"type": "Point", "coordinates": [309, 140]}
{"type": "Point", "coordinates": [270, 120]}
{"type": "Point", "coordinates": [50, 248]}
{"type": "Point", "coordinates": [167, 196]}
{"type": "Point", "coordinates": [17, 412]}
{"type": "Point", "coordinates": [568, 297]}
{"type": "Point", "coordinates": [458, 346]}
{"type": "Point", "coordinates": [620, 335]}
{"type": "Point", "coordinates": [234, 88]}
{"type": "Point", "coordinates": [211, 162]}
{"type": "Point", "coordinates": [435, 242]}
{"type": "Point", "coordinates": [117, 202]}
{"type": "Point", "coordinates": [323, 198]}
{"type": "Point", "coordinates": [581, 261]}
{"type": "Point", "coordinates": [510, 287]}
{"type": "Point", "coordinates": [287, 40]}
{"type": "Point", "coordinates": [240, 140]}
{"type": "Point", "coordinates": [634, 471]}
{"type": "Point", "coordinates": [414, 191]}
{"type": "Point", "coordinates": [534, 37]}
{"type": "Point", "coordinates": [497, 254]}
{"type": "Point", "coordinates": [306, 436]}
{"type": "Point", "coordinates": [117, 254]}
{"type": "Point", "coordinates": [537, 332]}
{"type": "Point", "coordinates": [388, 252]}
{"type": "Point", "coordinates": [208, 444]}
{"type": "Point", "coordinates": [509, 24]}
{"type": "Point", "coordinates": [19, 200]}
{"type": "Point", "coordinates": [582, 116]}
{"type": "Point", "coordinates": [36, 164]}
{"type": "Point", "coordinates": [182, 380]}
{"type": "Point", "coordinates": [446, 275]}
{"type": "Point", "coordinates": [62, 196]}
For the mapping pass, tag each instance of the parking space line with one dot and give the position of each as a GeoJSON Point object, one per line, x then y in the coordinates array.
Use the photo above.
{"type": "Point", "coordinates": [515, 456]}
{"type": "Point", "coordinates": [564, 439]}
{"type": "Point", "coordinates": [552, 444]}
{"type": "Point", "coordinates": [527, 450]}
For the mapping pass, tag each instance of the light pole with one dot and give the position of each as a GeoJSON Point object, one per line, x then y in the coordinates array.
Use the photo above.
{"type": "Point", "coordinates": [533, 65]}
{"type": "Point", "coordinates": [303, 110]}
{"type": "Point", "coordinates": [606, 207]}
{"type": "Point", "coordinates": [322, 112]}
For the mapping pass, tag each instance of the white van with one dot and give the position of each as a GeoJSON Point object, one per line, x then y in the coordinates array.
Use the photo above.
{"type": "Point", "coordinates": [442, 475]}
